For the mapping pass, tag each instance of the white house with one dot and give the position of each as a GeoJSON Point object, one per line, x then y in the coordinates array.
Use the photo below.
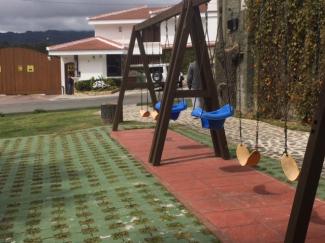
{"type": "Point", "coordinates": [102, 55]}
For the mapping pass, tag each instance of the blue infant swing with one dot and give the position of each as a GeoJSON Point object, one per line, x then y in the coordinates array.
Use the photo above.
{"type": "Point", "coordinates": [176, 109]}
{"type": "Point", "coordinates": [213, 119]}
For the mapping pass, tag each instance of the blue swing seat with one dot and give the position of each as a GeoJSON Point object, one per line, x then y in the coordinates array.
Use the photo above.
{"type": "Point", "coordinates": [176, 109]}
{"type": "Point", "coordinates": [214, 119]}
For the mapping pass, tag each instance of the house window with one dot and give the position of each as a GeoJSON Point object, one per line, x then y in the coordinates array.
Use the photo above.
{"type": "Point", "coordinates": [114, 63]}
{"type": "Point", "coordinates": [120, 29]}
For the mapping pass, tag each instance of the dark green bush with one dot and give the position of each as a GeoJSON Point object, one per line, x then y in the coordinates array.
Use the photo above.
{"type": "Point", "coordinates": [85, 85]}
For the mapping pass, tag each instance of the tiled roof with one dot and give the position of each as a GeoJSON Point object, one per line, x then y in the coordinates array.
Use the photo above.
{"type": "Point", "coordinates": [143, 12]}
{"type": "Point", "coordinates": [88, 44]}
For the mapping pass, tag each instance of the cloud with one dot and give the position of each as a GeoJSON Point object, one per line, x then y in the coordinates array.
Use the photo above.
{"type": "Point", "coordinates": [39, 15]}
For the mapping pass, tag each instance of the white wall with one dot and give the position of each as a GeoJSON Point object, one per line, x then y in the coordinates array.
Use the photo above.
{"type": "Point", "coordinates": [119, 33]}
{"type": "Point", "coordinates": [122, 32]}
{"type": "Point", "coordinates": [92, 66]}
{"type": "Point", "coordinates": [212, 25]}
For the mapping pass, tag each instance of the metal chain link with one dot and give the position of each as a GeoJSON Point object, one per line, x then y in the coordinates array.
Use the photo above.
{"type": "Point", "coordinates": [175, 27]}
{"type": "Point", "coordinates": [240, 107]}
{"type": "Point", "coordinates": [167, 35]}
{"type": "Point", "coordinates": [257, 116]}
{"type": "Point", "coordinates": [286, 79]}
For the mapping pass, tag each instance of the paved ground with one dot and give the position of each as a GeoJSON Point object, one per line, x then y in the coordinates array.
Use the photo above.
{"type": "Point", "coordinates": [29, 103]}
{"type": "Point", "coordinates": [271, 137]}
{"type": "Point", "coordinates": [83, 187]}
{"type": "Point", "coordinates": [239, 203]}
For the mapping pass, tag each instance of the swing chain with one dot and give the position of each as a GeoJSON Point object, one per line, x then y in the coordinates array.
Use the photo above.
{"type": "Point", "coordinates": [222, 41]}
{"type": "Point", "coordinates": [141, 97]}
{"type": "Point", "coordinates": [167, 36]}
{"type": "Point", "coordinates": [147, 99]}
{"type": "Point", "coordinates": [166, 44]}
{"type": "Point", "coordinates": [175, 19]}
{"type": "Point", "coordinates": [211, 53]}
{"type": "Point", "coordinates": [258, 83]}
{"type": "Point", "coordinates": [240, 107]}
{"type": "Point", "coordinates": [286, 78]}
{"type": "Point", "coordinates": [257, 128]}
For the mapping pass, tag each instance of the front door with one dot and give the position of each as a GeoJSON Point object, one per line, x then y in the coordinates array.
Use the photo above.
{"type": "Point", "coordinates": [69, 71]}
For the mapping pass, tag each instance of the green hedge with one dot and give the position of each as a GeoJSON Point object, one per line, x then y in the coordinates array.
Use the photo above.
{"type": "Point", "coordinates": [87, 85]}
{"type": "Point", "coordinates": [299, 42]}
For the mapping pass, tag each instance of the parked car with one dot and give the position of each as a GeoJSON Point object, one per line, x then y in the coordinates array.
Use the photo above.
{"type": "Point", "coordinates": [159, 75]}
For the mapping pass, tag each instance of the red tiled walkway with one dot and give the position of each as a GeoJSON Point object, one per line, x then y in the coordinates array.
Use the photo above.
{"type": "Point", "coordinates": [239, 204]}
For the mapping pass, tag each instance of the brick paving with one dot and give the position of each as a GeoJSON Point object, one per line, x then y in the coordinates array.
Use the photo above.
{"type": "Point", "coordinates": [271, 137]}
{"type": "Point", "coordinates": [238, 203]}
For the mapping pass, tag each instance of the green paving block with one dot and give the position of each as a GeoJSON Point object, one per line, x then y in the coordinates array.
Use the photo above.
{"type": "Point", "coordinates": [83, 187]}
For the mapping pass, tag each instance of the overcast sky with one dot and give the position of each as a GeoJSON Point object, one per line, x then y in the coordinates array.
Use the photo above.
{"type": "Point", "coordinates": [39, 15]}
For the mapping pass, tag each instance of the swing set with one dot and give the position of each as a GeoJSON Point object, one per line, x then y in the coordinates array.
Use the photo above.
{"type": "Point", "coordinates": [190, 24]}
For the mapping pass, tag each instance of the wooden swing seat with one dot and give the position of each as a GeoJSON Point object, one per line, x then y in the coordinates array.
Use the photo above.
{"type": "Point", "coordinates": [290, 167]}
{"type": "Point", "coordinates": [144, 113]}
{"type": "Point", "coordinates": [246, 158]}
{"type": "Point", "coordinates": [154, 114]}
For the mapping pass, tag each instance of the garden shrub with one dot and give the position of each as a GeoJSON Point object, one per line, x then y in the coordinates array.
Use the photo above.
{"type": "Point", "coordinates": [87, 85]}
{"type": "Point", "coordinates": [84, 85]}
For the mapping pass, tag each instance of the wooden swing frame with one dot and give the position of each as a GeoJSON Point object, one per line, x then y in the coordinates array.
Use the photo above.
{"type": "Point", "coordinates": [190, 24]}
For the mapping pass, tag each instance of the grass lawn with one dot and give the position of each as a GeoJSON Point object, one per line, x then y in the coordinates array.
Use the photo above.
{"type": "Point", "coordinates": [80, 186]}
{"type": "Point", "coordinates": [30, 124]}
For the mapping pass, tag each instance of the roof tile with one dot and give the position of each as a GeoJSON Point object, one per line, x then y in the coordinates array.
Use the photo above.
{"type": "Point", "coordinates": [142, 12]}
{"type": "Point", "coordinates": [88, 44]}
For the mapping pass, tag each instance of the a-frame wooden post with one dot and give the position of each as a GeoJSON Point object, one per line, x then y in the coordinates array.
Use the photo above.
{"type": "Point", "coordinates": [212, 102]}
{"type": "Point", "coordinates": [145, 62]}
{"type": "Point", "coordinates": [309, 177]}
{"type": "Point", "coordinates": [136, 35]}
{"type": "Point", "coordinates": [124, 82]}
{"type": "Point", "coordinates": [171, 83]}
{"type": "Point", "coordinates": [190, 22]}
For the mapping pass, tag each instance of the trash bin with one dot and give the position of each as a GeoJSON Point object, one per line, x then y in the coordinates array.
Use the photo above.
{"type": "Point", "coordinates": [108, 113]}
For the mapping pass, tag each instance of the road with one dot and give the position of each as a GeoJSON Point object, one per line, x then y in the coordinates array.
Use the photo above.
{"type": "Point", "coordinates": [18, 104]}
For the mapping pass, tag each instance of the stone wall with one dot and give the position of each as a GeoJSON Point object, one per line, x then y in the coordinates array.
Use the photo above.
{"type": "Point", "coordinates": [241, 77]}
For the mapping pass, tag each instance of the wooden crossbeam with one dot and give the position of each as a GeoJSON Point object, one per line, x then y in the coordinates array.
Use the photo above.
{"type": "Point", "coordinates": [191, 93]}
{"type": "Point", "coordinates": [165, 15]}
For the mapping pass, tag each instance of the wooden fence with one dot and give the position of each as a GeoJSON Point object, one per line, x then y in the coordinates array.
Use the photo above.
{"type": "Point", "coordinates": [25, 71]}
